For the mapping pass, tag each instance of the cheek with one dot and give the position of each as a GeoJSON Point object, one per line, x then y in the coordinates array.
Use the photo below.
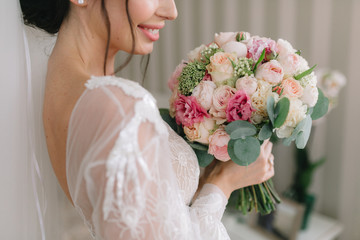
{"type": "Point", "coordinates": [141, 10]}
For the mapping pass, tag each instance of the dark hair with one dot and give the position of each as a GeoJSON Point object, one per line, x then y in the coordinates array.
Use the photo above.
{"type": "Point", "coordinates": [49, 15]}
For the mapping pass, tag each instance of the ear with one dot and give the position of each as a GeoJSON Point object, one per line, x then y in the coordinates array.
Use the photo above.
{"type": "Point", "coordinates": [80, 3]}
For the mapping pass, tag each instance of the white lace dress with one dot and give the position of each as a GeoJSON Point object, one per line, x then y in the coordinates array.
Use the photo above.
{"type": "Point", "coordinates": [129, 175]}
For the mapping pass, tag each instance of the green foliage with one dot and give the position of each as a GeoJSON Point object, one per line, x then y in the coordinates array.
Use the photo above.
{"type": "Point", "coordinates": [303, 136]}
{"type": "Point", "coordinates": [244, 151]}
{"type": "Point", "coordinates": [262, 56]}
{"type": "Point", "coordinates": [191, 76]}
{"type": "Point", "coordinates": [281, 111]}
{"type": "Point", "coordinates": [203, 157]}
{"type": "Point", "coordinates": [305, 73]}
{"type": "Point", "coordinates": [265, 132]}
{"type": "Point", "coordinates": [270, 107]}
{"type": "Point", "coordinates": [240, 129]}
{"type": "Point", "coordinates": [321, 107]}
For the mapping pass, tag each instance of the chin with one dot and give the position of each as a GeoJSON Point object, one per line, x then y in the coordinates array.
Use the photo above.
{"type": "Point", "coordinates": [144, 49]}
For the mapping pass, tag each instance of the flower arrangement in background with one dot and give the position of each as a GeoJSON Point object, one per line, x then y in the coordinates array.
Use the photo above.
{"type": "Point", "coordinates": [234, 93]}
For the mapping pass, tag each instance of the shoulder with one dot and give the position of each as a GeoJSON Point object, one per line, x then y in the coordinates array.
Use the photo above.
{"type": "Point", "coordinates": [116, 98]}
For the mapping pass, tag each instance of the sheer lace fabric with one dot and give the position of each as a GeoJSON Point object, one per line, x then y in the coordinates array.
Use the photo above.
{"type": "Point", "coordinates": [130, 176]}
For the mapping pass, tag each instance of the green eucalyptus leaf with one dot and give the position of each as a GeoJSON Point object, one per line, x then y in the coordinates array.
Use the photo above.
{"type": "Point", "coordinates": [240, 129]}
{"type": "Point", "coordinates": [298, 52]}
{"type": "Point", "coordinates": [270, 107]}
{"type": "Point", "coordinates": [281, 112]}
{"type": "Point", "coordinates": [244, 151]}
{"type": "Point", "coordinates": [305, 73]}
{"type": "Point", "coordinates": [203, 157]}
{"type": "Point", "coordinates": [262, 56]}
{"type": "Point", "coordinates": [303, 136]}
{"type": "Point", "coordinates": [165, 114]}
{"type": "Point", "coordinates": [265, 132]}
{"type": "Point", "coordinates": [197, 146]}
{"type": "Point", "coordinates": [321, 107]}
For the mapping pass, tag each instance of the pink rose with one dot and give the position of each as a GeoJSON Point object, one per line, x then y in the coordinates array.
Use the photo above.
{"type": "Point", "coordinates": [220, 67]}
{"type": "Point", "coordinates": [200, 132]}
{"type": "Point", "coordinates": [235, 47]}
{"type": "Point", "coordinates": [239, 107]}
{"type": "Point", "coordinates": [203, 93]}
{"type": "Point", "coordinates": [284, 47]}
{"type": "Point", "coordinates": [292, 63]}
{"type": "Point", "coordinates": [218, 144]}
{"type": "Point", "coordinates": [257, 44]}
{"type": "Point", "coordinates": [174, 79]}
{"type": "Point", "coordinates": [220, 100]}
{"type": "Point", "coordinates": [248, 84]}
{"type": "Point", "coordinates": [292, 88]}
{"type": "Point", "coordinates": [271, 72]}
{"type": "Point", "coordinates": [224, 37]}
{"type": "Point", "coordinates": [188, 111]}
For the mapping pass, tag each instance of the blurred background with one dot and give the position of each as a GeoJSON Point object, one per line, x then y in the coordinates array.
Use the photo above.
{"type": "Point", "coordinates": [327, 33]}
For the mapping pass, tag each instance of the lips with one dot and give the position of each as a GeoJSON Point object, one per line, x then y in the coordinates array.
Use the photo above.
{"type": "Point", "coordinates": [151, 31]}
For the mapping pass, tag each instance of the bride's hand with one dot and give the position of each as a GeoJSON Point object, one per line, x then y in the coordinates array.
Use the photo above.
{"type": "Point", "coordinates": [229, 176]}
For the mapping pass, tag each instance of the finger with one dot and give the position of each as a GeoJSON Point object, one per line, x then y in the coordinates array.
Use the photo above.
{"type": "Point", "coordinates": [268, 149]}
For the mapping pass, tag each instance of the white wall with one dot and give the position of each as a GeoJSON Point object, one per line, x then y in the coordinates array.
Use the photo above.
{"type": "Point", "coordinates": [327, 33]}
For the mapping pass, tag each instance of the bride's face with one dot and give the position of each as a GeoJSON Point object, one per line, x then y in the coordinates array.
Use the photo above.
{"type": "Point", "coordinates": [148, 17]}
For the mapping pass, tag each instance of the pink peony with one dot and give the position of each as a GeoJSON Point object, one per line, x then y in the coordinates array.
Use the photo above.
{"type": "Point", "coordinates": [218, 144]}
{"type": "Point", "coordinates": [239, 107]}
{"type": "Point", "coordinates": [188, 111]}
{"type": "Point", "coordinates": [257, 44]}
{"type": "Point", "coordinates": [173, 80]}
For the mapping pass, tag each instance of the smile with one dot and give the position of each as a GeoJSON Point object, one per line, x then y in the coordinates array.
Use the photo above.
{"type": "Point", "coordinates": [151, 31]}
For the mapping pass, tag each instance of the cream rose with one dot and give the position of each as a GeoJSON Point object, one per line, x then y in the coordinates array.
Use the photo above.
{"type": "Point", "coordinates": [248, 84]}
{"type": "Point", "coordinates": [204, 93]}
{"type": "Point", "coordinates": [259, 101]}
{"type": "Point", "coordinates": [220, 67]}
{"type": "Point", "coordinates": [238, 48]}
{"type": "Point", "coordinates": [218, 144]}
{"type": "Point", "coordinates": [195, 54]}
{"type": "Point", "coordinates": [224, 37]}
{"type": "Point", "coordinates": [292, 88]}
{"type": "Point", "coordinates": [220, 100]}
{"type": "Point", "coordinates": [200, 132]}
{"type": "Point", "coordinates": [271, 72]}
{"type": "Point", "coordinates": [310, 95]}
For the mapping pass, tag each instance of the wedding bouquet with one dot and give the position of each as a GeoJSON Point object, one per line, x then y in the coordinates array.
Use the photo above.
{"type": "Point", "coordinates": [234, 93]}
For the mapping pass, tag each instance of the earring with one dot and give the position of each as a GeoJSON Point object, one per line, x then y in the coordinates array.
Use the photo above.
{"type": "Point", "coordinates": [81, 1]}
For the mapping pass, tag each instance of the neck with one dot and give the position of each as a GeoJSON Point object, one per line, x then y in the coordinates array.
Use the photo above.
{"type": "Point", "coordinates": [82, 49]}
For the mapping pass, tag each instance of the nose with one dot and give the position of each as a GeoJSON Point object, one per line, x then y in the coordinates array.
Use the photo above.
{"type": "Point", "coordinates": [167, 9]}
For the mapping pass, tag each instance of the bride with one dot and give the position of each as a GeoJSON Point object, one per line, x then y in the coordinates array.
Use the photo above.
{"type": "Point", "coordinates": [125, 171]}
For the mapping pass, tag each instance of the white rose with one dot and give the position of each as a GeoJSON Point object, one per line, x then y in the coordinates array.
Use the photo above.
{"type": "Point", "coordinates": [195, 54]}
{"type": "Point", "coordinates": [200, 132]}
{"type": "Point", "coordinates": [272, 72]}
{"type": "Point", "coordinates": [204, 93]}
{"type": "Point", "coordinates": [284, 132]}
{"type": "Point", "coordinates": [224, 37]}
{"type": "Point", "coordinates": [310, 95]}
{"type": "Point", "coordinates": [238, 48]}
{"type": "Point", "coordinates": [284, 47]}
{"type": "Point", "coordinates": [292, 64]}
{"type": "Point", "coordinates": [248, 84]}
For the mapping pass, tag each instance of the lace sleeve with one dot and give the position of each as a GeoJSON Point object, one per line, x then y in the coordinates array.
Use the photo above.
{"type": "Point", "coordinates": [120, 176]}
